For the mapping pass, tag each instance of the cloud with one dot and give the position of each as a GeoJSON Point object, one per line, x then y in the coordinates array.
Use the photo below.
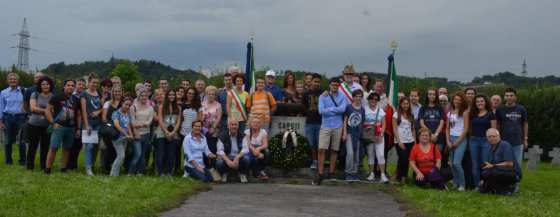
{"type": "Point", "coordinates": [452, 39]}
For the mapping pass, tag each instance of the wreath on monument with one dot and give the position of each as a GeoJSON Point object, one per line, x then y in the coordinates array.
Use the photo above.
{"type": "Point", "coordinates": [289, 151]}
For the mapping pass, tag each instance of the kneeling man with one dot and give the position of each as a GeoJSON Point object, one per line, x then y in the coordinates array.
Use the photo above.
{"type": "Point", "coordinates": [501, 172]}
{"type": "Point", "coordinates": [232, 154]}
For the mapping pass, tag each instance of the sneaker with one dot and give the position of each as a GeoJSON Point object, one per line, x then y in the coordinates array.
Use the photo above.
{"type": "Point", "coordinates": [313, 165]}
{"type": "Point", "coordinates": [89, 172]}
{"type": "Point", "coordinates": [243, 178]}
{"type": "Point", "coordinates": [215, 175]}
{"type": "Point", "coordinates": [384, 178]}
{"type": "Point", "coordinates": [349, 178]}
{"type": "Point", "coordinates": [224, 178]}
{"type": "Point", "coordinates": [185, 174]}
{"type": "Point", "coordinates": [461, 189]}
{"type": "Point", "coordinates": [371, 177]}
{"type": "Point", "coordinates": [47, 171]}
{"type": "Point", "coordinates": [331, 177]}
{"type": "Point", "coordinates": [262, 175]}
{"type": "Point", "coordinates": [317, 180]}
{"type": "Point", "coordinates": [355, 178]}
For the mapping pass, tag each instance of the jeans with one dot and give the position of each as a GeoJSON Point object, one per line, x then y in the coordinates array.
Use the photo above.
{"type": "Point", "coordinates": [165, 155]}
{"type": "Point", "coordinates": [90, 149]}
{"type": "Point", "coordinates": [202, 176]}
{"type": "Point", "coordinates": [257, 165]}
{"type": "Point", "coordinates": [312, 134]}
{"type": "Point", "coordinates": [480, 153]}
{"type": "Point", "coordinates": [139, 147]}
{"type": "Point", "coordinates": [243, 166]}
{"type": "Point", "coordinates": [352, 154]}
{"type": "Point", "coordinates": [120, 146]}
{"type": "Point", "coordinates": [38, 136]}
{"type": "Point", "coordinates": [402, 164]}
{"type": "Point", "coordinates": [518, 153]}
{"type": "Point", "coordinates": [13, 125]}
{"type": "Point", "coordinates": [456, 157]}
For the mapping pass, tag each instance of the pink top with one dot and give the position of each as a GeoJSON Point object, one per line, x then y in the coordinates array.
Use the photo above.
{"type": "Point", "coordinates": [210, 113]}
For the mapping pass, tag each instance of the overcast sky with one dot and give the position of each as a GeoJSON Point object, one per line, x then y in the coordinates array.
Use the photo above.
{"type": "Point", "coordinates": [454, 39]}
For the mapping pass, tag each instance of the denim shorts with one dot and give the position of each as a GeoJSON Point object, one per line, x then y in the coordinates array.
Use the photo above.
{"type": "Point", "coordinates": [62, 136]}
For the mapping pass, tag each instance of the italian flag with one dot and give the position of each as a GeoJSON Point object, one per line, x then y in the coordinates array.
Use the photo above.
{"type": "Point", "coordinates": [393, 83]}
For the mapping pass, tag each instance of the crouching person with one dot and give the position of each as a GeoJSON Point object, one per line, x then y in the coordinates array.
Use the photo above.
{"type": "Point", "coordinates": [501, 172]}
{"type": "Point", "coordinates": [195, 149]}
{"type": "Point", "coordinates": [256, 139]}
{"type": "Point", "coordinates": [232, 153]}
{"type": "Point", "coordinates": [425, 160]}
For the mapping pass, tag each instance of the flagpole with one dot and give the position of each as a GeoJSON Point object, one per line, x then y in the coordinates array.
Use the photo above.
{"type": "Point", "coordinates": [392, 92]}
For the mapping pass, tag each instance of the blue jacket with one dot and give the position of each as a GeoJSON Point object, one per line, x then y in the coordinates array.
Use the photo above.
{"type": "Point", "coordinates": [331, 113]}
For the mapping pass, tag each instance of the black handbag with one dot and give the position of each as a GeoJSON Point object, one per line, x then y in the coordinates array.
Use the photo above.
{"type": "Point", "coordinates": [108, 130]}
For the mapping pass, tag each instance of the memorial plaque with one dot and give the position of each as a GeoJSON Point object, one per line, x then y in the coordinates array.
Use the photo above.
{"type": "Point", "coordinates": [282, 123]}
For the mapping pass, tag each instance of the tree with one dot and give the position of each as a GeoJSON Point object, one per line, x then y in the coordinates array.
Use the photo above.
{"type": "Point", "coordinates": [128, 73]}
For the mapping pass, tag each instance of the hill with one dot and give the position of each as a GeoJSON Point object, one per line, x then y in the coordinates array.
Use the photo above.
{"type": "Point", "coordinates": [148, 69]}
{"type": "Point", "coordinates": [511, 79]}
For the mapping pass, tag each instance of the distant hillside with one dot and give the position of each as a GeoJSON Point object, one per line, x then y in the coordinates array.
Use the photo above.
{"type": "Point", "coordinates": [150, 70]}
{"type": "Point", "coordinates": [514, 80]}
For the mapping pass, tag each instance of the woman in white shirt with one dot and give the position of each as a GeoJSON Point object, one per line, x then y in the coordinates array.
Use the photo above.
{"type": "Point", "coordinates": [195, 148]}
{"type": "Point", "coordinates": [256, 139]}
{"type": "Point", "coordinates": [403, 128]}
{"type": "Point", "coordinates": [142, 115]}
{"type": "Point", "coordinates": [456, 132]}
{"type": "Point", "coordinates": [375, 118]}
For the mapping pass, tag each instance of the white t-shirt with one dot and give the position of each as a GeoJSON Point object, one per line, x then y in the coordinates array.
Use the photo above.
{"type": "Point", "coordinates": [456, 124]}
{"type": "Point", "coordinates": [255, 141]}
{"type": "Point", "coordinates": [404, 129]}
{"type": "Point", "coordinates": [372, 117]}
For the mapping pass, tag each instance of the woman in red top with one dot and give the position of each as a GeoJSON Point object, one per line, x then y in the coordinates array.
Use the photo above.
{"type": "Point", "coordinates": [425, 162]}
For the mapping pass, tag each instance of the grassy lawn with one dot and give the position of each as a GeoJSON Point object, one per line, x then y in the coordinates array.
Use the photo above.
{"type": "Point", "coordinates": [24, 193]}
{"type": "Point", "coordinates": [539, 196]}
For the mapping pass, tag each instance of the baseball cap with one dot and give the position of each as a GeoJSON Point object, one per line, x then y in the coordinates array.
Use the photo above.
{"type": "Point", "coordinates": [270, 73]}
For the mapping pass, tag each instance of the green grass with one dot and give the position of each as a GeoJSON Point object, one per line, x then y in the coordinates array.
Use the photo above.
{"type": "Point", "coordinates": [25, 193]}
{"type": "Point", "coordinates": [539, 196]}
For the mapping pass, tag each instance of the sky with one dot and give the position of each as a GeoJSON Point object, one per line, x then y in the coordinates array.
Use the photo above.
{"type": "Point", "coordinates": [454, 39]}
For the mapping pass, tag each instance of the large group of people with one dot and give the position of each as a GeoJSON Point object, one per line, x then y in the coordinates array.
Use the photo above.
{"type": "Point", "coordinates": [208, 133]}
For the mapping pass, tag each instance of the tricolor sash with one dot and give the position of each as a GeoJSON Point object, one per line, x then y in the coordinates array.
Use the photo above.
{"type": "Point", "coordinates": [346, 91]}
{"type": "Point", "coordinates": [238, 103]}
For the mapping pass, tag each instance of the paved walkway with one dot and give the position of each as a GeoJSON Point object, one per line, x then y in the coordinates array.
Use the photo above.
{"type": "Point", "coordinates": [282, 200]}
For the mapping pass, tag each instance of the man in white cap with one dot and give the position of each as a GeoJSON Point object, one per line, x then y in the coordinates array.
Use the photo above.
{"type": "Point", "coordinates": [271, 87]}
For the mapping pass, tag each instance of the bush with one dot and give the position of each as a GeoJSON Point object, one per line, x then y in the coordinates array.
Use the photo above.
{"type": "Point", "coordinates": [543, 108]}
{"type": "Point", "coordinates": [289, 158]}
